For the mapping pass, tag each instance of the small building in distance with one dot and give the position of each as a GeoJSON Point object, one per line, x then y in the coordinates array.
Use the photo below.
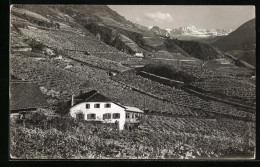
{"type": "Point", "coordinates": [139, 54]}
{"type": "Point", "coordinates": [25, 97]}
{"type": "Point", "coordinates": [93, 106]}
{"type": "Point", "coordinates": [112, 73]}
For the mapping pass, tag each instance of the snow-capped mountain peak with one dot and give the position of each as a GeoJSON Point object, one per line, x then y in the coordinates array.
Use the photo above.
{"type": "Point", "coordinates": [168, 30]}
{"type": "Point", "coordinates": [150, 27]}
{"type": "Point", "coordinates": [190, 30]}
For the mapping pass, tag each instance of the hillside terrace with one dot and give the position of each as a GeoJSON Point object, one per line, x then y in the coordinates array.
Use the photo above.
{"type": "Point", "coordinates": [52, 78]}
{"type": "Point", "coordinates": [239, 89]}
{"type": "Point", "coordinates": [178, 96]}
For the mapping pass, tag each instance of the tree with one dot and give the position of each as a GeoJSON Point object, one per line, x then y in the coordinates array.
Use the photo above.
{"type": "Point", "coordinates": [36, 46]}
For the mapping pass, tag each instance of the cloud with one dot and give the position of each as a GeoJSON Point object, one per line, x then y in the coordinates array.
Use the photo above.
{"type": "Point", "coordinates": [159, 17]}
{"type": "Point", "coordinates": [138, 19]}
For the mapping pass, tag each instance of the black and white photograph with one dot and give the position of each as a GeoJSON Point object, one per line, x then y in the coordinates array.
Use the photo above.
{"type": "Point", "coordinates": [163, 82]}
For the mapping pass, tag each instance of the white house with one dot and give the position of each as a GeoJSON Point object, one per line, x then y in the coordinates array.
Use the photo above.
{"type": "Point", "coordinates": [93, 106]}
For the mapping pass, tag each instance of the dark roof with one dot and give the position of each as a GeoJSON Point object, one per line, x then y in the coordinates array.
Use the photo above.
{"type": "Point", "coordinates": [95, 96]}
{"type": "Point", "coordinates": [92, 96]}
{"type": "Point", "coordinates": [26, 96]}
{"type": "Point", "coordinates": [84, 96]}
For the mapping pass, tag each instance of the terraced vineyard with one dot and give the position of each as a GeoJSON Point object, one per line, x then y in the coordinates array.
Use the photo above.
{"type": "Point", "coordinates": [102, 63]}
{"type": "Point", "coordinates": [237, 89]}
{"type": "Point", "coordinates": [65, 40]}
{"type": "Point", "coordinates": [53, 76]}
{"type": "Point", "coordinates": [211, 72]}
{"type": "Point", "coordinates": [157, 137]}
{"type": "Point", "coordinates": [67, 59]}
{"type": "Point", "coordinates": [178, 96]}
{"type": "Point", "coordinates": [83, 48]}
{"type": "Point", "coordinates": [47, 76]}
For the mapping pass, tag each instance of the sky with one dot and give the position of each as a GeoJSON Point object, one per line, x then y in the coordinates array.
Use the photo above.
{"type": "Point", "coordinates": [175, 16]}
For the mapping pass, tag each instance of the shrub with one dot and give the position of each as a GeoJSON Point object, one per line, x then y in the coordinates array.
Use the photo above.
{"type": "Point", "coordinates": [36, 46]}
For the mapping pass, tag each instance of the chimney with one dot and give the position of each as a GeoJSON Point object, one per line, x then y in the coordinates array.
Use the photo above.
{"type": "Point", "coordinates": [72, 100]}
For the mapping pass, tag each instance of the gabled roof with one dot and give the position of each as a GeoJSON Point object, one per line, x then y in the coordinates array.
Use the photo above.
{"type": "Point", "coordinates": [98, 98]}
{"type": "Point", "coordinates": [95, 96]}
{"type": "Point", "coordinates": [92, 96]}
{"type": "Point", "coordinates": [24, 95]}
{"type": "Point", "coordinates": [133, 109]}
{"type": "Point", "coordinates": [84, 96]}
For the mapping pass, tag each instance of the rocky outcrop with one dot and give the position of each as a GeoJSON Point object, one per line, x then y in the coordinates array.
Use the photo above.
{"type": "Point", "coordinates": [190, 31]}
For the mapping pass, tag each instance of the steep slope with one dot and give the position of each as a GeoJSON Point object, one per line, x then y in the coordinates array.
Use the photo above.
{"type": "Point", "coordinates": [68, 50]}
{"type": "Point", "coordinates": [51, 30]}
{"type": "Point", "coordinates": [100, 23]}
{"type": "Point", "coordinates": [116, 31]}
{"type": "Point", "coordinates": [195, 49]}
{"type": "Point", "coordinates": [243, 38]}
{"type": "Point", "coordinates": [240, 43]}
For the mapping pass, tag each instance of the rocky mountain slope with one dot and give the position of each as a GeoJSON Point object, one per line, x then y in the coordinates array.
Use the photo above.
{"type": "Point", "coordinates": [193, 31]}
{"type": "Point", "coordinates": [187, 32]}
{"type": "Point", "coordinates": [105, 24]}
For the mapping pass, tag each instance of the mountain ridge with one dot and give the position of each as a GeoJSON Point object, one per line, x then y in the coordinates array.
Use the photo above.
{"type": "Point", "coordinates": [243, 38]}
{"type": "Point", "coordinates": [190, 30]}
{"type": "Point", "coordinates": [109, 27]}
{"type": "Point", "coordinates": [240, 43]}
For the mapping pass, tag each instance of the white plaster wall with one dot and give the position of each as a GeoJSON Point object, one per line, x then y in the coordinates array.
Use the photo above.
{"type": "Point", "coordinates": [100, 111]}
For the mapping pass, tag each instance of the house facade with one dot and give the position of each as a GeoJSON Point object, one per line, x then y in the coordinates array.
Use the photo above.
{"type": "Point", "coordinates": [93, 106]}
{"type": "Point", "coordinates": [133, 115]}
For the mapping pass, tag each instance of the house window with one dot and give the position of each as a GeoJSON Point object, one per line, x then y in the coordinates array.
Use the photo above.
{"type": "Point", "coordinates": [107, 116]}
{"type": "Point", "coordinates": [80, 116]}
{"type": "Point", "coordinates": [137, 116]}
{"type": "Point", "coordinates": [127, 115]}
{"type": "Point", "coordinates": [91, 116]}
{"type": "Point", "coordinates": [107, 105]}
{"type": "Point", "coordinates": [133, 115]}
{"type": "Point", "coordinates": [116, 116]}
{"type": "Point", "coordinates": [87, 105]}
{"type": "Point", "coordinates": [97, 106]}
